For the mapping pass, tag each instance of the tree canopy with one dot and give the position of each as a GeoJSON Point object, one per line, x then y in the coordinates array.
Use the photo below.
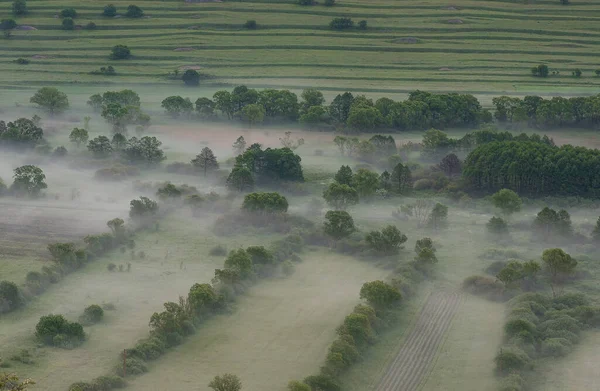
{"type": "Point", "coordinates": [51, 100]}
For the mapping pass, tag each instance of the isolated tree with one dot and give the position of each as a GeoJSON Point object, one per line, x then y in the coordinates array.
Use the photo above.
{"type": "Point", "coordinates": [365, 182]}
{"type": "Point", "coordinates": [401, 179]}
{"type": "Point", "coordinates": [28, 180]}
{"type": "Point", "coordinates": [176, 106]}
{"type": "Point", "coordinates": [507, 201]}
{"type": "Point", "coordinates": [541, 70]}
{"type": "Point", "coordinates": [133, 11]}
{"type": "Point", "coordinates": [100, 147]}
{"type": "Point", "coordinates": [254, 114]}
{"type": "Point", "coordinates": [240, 261]}
{"type": "Point", "coordinates": [344, 176]}
{"type": "Point", "coordinates": [497, 226]}
{"type": "Point", "coordinates": [51, 99]}
{"type": "Point", "coordinates": [338, 224]}
{"type": "Point", "coordinates": [19, 8]}
{"type": "Point", "coordinates": [426, 257]}
{"type": "Point", "coordinates": [117, 226]}
{"type": "Point", "coordinates": [142, 207]}
{"type": "Point", "coordinates": [110, 11]}
{"type": "Point", "coordinates": [226, 382]}
{"type": "Point", "coordinates": [118, 141]}
{"type": "Point", "coordinates": [10, 297]}
{"type": "Point", "coordinates": [239, 146]}
{"type": "Point", "coordinates": [250, 25]}
{"type": "Point", "coordinates": [387, 241]}
{"type": "Point", "coordinates": [68, 24]}
{"type": "Point", "coordinates": [120, 52]}
{"type": "Point", "coordinates": [68, 13]}
{"type": "Point", "coordinates": [362, 25]}
{"type": "Point", "coordinates": [559, 265]}
{"type": "Point", "coordinates": [340, 196]}
{"type": "Point", "coordinates": [271, 203]}
{"type": "Point", "coordinates": [425, 243]}
{"type": "Point", "coordinates": [450, 165]}
{"type": "Point", "coordinates": [7, 25]}
{"type": "Point", "coordinates": [438, 218]}
{"type": "Point", "coordinates": [379, 294]}
{"type": "Point", "coordinates": [78, 136]}
{"type": "Point", "coordinates": [240, 179]}
{"type": "Point", "coordinates": [206, 160]}
{"type": "Point", "coordinates": [191, 77]}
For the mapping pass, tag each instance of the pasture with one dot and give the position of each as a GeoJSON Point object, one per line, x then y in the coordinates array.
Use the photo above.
{"type": "Point", "coordinates": [472, 46]}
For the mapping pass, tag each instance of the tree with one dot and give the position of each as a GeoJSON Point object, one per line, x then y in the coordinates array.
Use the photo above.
{"type": "Point", "coordinates": [559, 264]}
{"type": "Point", "coordinates": [341, 23]}
{"type": "Point", "coordinates": [205, 107]}
{"type": "Point", "coordinates": [68, 13]}
{"type": "Point", "coordinates": [120, 52]}
{"type": "Point", "coordinates": [169, 191]}
{"type": "Point", "coordinates": [51, 99]}
{"type": "Point", "coordinates": [379, 294]}
{"type": "Point", "coordinates": [250, 25]}
{"type": "Point", "coordinates": [438, 218]}
{"type": "Point", "coordinates": [100, 147]}
{"type": "Point", "coordinates": [10, 297]}
{"type": "Point", "coordinates": [23, 133]}
{"type": "Point", "coordinates": [450, 165]}
{"type": "Point", "coordinates": [117, 226]}
{"type": "Point", "coordinates": [28, 180]}
{"type": "Point", "coordinates": [329, 3]}
{"type": "Point", "coordinates": [340, 196]}
{"type": "Point", "coordinates": [254, 114]}
{"type": "Point", "coordinates": [239, 146]}
{"type": "Point", "coordinates": [240, 179]}
{"type": "Point", "coordinates": [323, 382]}
{"type": "Point", "coordinates": [78, 136]}
{"type": "Point", "coordinates": [203, 298]}
{"type": "Point", "coordinates": [401, 179]}
{"type": "Point", "coordinates": [507, 201]}
{"type": "Point", "coordinates": [226, 382]}
{"type": "Point", "coordinates": [19, 8]}
{"type": "Point", "coordinates": [145, 150]}
{"type": "Point", "coordinates": [551, 224]}
{"type": "Point", "coordinates": [175, 106]}
{"type": "Point", "coordinates": [118, 141]}
{"type": "Point", "coordinates": [540, 70]}
{"type": "Point", "coordinates": [133, 11]}
{"type": "Point", "coordinates": [364, 119]}
{"type": "Point", "coordinates": [240, 261]}
{"type": "Point", "coordinates": [510, 274]}
{"type": "Point", "coordinates": [288, 142]}
{"type": "Point", "coordinates": [340, 107]}
{"type": "Point", "coordinates": [191, 77]}
{"type": "Point", "coordinates": [311, 98]}
{"type": "Point", "coordinates": [50, 327]}
{"type": "Point", "coordinates": [117, 115]}
{"type": "Point", "coordinates": [223, 103]}
{"type": "Point", "coordinates": [596, 231]}
{"type": "Point", "coordinates": [362, 25]}
{"type": "Point", "coordinates": [365, 182]}
{"type": "Point", "coordinates": [272, 164]}
{"type": "Point", "coordinates": [110, 11]}
{"type": "Point", "coordinates": [387, 241]}
{"type": "Point", "coordinates": [68, 24]}
{"type": "Point", "coordinates": [206, 160]}
{"type": "Point", "coordinates": [142, 207]}
{"type": "Point", "coordinates": [295, 385]}
{"type": "Point", "coordinates": [338, 224]}
{"type": "Point", "coordinates": [271, 203]}
{"type": "Point", "coordinates": [497, 226]}
{"type": "Point", "coordinates": [426, 257]}
{"type": "Point", "coordinates": [424, 243]}
{"type": "Point", "coordinates": [344, 176]}
{"type": "Point", "coordinates": [7, 25]}
{"type": "Point", "coordinates": [577, 73]}
{"type": "Point", "coordinates": [305, 2]}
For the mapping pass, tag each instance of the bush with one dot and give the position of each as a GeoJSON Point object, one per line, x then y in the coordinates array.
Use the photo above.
{"type": "Point", "coordinates": [92, 314]}
{"type": "Point", "coordinates": [218, 250]}
{"type": "Point", "coordinates": [305, 2]}
{"type": "Point", "coordinates": [519, 326]}
{"type": "Point", "coordinates": [556, 347]}
{"type": "Point", "coordinates": [512, 382]}
{"type": "Point", "coordinates": [563, 322]}
{"type": "Point", "coordinates": [288, 268]}
{"type": "Point", "coordinates": [250, 25]}
{"type": "Point", "coordinates": [110, 11]}
{"type": "Point", "coordinates": [133, 11]}
{"type": "Point", "coordinates": [511, 359]}
{"type": "Point", "coordinates": [22, 61]}
{"type": "Point", "coordinates": [10, 296]}
{"type": "Point", "coordinates": [341, 23]}
{"type": "Point", "coordinates": [68, 24]}
{"type": "Point", "coordinates": [90, 26]}
{"type": "Point", "coordinates": [362, 25]}
{"type": "Point", "coordinates": [148, 349]}
{"type": "Point", "coordinates": [191, 77]}
{"type": "Point", "coordinates": [120, 52]}
{"type": "Point", "coordinates": [57, 331]}
{"type": "Point", "coordinates": [133, 366]}
{"type": "Point", "coordinates": [486, 286]}
{"type": "Point", "coordinates": [571, 300]}
{"type": "Point", "coordinates": [68, 13]}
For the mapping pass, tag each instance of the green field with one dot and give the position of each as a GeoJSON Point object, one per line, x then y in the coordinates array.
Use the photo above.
{"type": "Point", "coordinates": [474, 46]}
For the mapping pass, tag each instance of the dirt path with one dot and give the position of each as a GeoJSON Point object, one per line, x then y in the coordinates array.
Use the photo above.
{"type": "Point", "coordinates": [410, 365]}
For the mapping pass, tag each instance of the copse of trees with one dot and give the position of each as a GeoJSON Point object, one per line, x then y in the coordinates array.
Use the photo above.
{"type": "Point", "coordinates": [23, 133]}
{"type": "Point", "coordinates": [270, 203]}
{"type": "Point", "coordinates": [176, 106]}
{"type": "Point", "coordinates": [133, 11]}
{"type": "Point", "coordinates": [55, 330]}
{"type": "Point", "coordinates": [271, 164]}
{"type": "Point", "coordinates": [535, 169]}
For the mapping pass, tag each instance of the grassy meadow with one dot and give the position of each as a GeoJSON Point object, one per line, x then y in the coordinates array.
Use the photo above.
{"type": "Point", "coordinates": [474, 46]}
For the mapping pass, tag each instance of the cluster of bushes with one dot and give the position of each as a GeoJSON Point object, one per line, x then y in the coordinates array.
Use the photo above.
{"type": "Point", "coordinates": [107, 71]}
{"type": "Point", "coordinates": [180, 319]}
{"type": "Point", "coordinates": [556, 112]}
{"type": "Point", "coordinates": [346, 23]}
{"type": "Point", "coordinates": [539, 326]}
{"type": "Point", "coordinates": [55, 330]}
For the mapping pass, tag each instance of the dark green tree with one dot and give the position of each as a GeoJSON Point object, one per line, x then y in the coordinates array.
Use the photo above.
{"type": "Point", "coordinates": [133, 11]}
{"type": "Point", "coordinates": [110, 11]}
{"type": "Point", "coordinates": [340, 196]}
{"type": "Point", "coordinates": [344, 176]}
{"type": "Point", "coordinates": [226, 382]}
{"type": "Point", "coordinates": [265, 203]}
{"type": "Point", "coordinates": [340, 107]}
{"type": "Point", "coordinates": [120, 52]}
{"type": "Point", "coordinates": [51, 100]}
{"type": "Point", "coordinates": [379, 294]}
{"type": "Point", "coordinates": [559, 265]}
{"type": "Point", "coordinates": [240, 179]}
{"type": "Point", "coordinates": [100, 147]}
{"type": "Point", "coordinates": [22, 133]}
{"type": "Point", "coordinates": [365, 182]}
{"type": "Point", "coordinates": [401, 179]}
{"type": "Point", "coordinates": [191, 77]}
{"type": "Point", "coordinates": [144, 151]}
{"type": "Point", "coordinates": [176, 106]}
{"type": "Point", "coordinates": [438, 218]}
{"type": "Point", "coordinates": [28, 180]}
{"type": "Point", "coordinates": [240, 261]}
{"type": "Point", "coordinates": [387, 241]}
{"type": "Point", "coordinates": [142, 208]}
{"type": "Point", "coordinates": [78, 136]}
{"type": "Point", "coordinates": [338, 224]}
{"type": "Point", "coordinates": [507, 201]}
{"type": "Point", "coordinates": [68, 13]}
{"type": "Point", "coordinates": [497, 227]}
{"type": "Point", "coordinates": [19, 8]}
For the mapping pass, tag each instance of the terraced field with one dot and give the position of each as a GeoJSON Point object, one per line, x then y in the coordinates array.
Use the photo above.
{"type": "Point", "coordinates": [475, 46]}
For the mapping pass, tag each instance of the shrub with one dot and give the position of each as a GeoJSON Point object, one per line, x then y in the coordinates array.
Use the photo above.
{"type": "Point", "coordinates": [120, 52]}
{"type": "Point", "coordinates": [133, 11]}
{"type": "Point", "coordinates": [56, 330]}
{"type": "Point", "coordinates": [110, 10]}
{"type": "Point", "coordinates": [68, 24]}
{"type": "Point", "coordinates": [148, 349]}
{"type": "Point", "coordinates": [571, 300]}
{"type": "Point", "coordinates": [482, 285]}
{"type": "Point", "coordinates": [341, 23]}
{"type": "Point", "coordinates": [250, 25]}
{"type": "Point", "coordinates": [329, 3]}
{"type": "Point", "coordinates": [111, 267]}
{"type": "Point", "coordinates": [102, 383]}
{"type": "Point", "coordinates": [519, 326]}
{"type": "Point", "coordinates": [362, 25]}
{"type": "Point", "coordinates": [191, 77]}
{"type": "Point", "coordinates": [68, 13]}
{"type": "Point", "coordinates": [22, 61]}
{"type": "Point", "coordinates": [10, 296]}
{"type": "Point", "coordinates": [556, 347]}
{"type": "Point", "coordinates": [92, 314]}
{"type": "Point", "coordinates": [322, 383]}
{"type": "Point", "coordinates": [90, 26]}
{"type": "Point", "coordinates": [512, 382]}
{"type": "Point", "coordinates": [218, 250]}
{"type": "Point", "coordinates": [511, 359]}
{"type": "Point", "coordinates": [563, 322]}
{"type": "Point", "coordinates": [132, 366]}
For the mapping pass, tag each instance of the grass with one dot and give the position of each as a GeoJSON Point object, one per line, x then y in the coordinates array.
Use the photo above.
{"type": "Point", "coordinates": [491, 51]}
